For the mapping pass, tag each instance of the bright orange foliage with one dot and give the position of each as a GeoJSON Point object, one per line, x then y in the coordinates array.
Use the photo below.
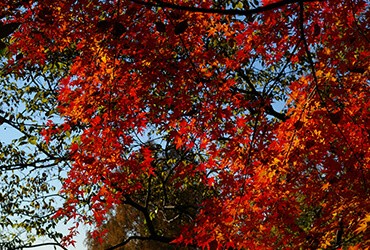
{"type": "Point", "coordinates": [206, 79]}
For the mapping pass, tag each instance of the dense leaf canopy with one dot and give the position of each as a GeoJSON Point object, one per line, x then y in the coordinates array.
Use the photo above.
{"type": "Point", "coordinates": [174, 107]}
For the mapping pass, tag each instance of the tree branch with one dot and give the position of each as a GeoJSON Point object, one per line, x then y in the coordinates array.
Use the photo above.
{"type": "Point", "coordinates": [249, 12]}
{"type": "Point", "coordinates": [38, 146]}
{"type": "Point", "coordinates": [149, 222]}
{"type": "Point", "coordinates": [128, 240]}
{"type": "Point", "coordinates": [268, 108]}
{"type": "Point", "coordinates": [41, 245]}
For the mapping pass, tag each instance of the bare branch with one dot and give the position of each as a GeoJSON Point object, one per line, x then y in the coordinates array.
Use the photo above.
{"type": "Point", "coordinates": [149, 222]}
{"type": "Point", "coordinates": [249, 12]}
{"type": "Point", "coordinates": [41, 245]}
{"type": "Point", "coordinates": [128, 240]}
{"type": "Point", "coordinates": [268, 108]}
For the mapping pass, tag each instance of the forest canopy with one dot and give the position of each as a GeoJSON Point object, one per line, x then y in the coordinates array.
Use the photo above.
{"type": "Point", "coordinates": [215, 124]}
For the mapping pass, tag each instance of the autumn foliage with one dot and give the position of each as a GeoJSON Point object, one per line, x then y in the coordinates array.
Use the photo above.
{"type": "Point", "coordinates": [208, 77]}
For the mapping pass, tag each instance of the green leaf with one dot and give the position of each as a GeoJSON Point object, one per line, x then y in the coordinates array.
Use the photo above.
{"type": "Point", "coordinates": [3, 48]}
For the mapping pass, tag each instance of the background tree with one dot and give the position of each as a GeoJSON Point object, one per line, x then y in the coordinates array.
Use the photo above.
{"type": "Point", "coordinates": [30, 171]}
{"type": "Point", "coordinates": [160, 205]}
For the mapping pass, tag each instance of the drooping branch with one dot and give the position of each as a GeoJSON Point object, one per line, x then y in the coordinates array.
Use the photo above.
{"type": "Point", "coordinates": [314, 74]}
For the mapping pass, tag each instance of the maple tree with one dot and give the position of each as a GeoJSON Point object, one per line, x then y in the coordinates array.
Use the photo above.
{"type": "Point", "coordinates": [204, 76]}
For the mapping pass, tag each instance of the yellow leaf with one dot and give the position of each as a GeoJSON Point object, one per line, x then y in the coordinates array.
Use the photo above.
{"type": "Point", "coordinates": [325, 186]}
{"type": "Point", "coordinates": [366, 219]}
{"type": "Point", "coordinates": [361, 228]}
